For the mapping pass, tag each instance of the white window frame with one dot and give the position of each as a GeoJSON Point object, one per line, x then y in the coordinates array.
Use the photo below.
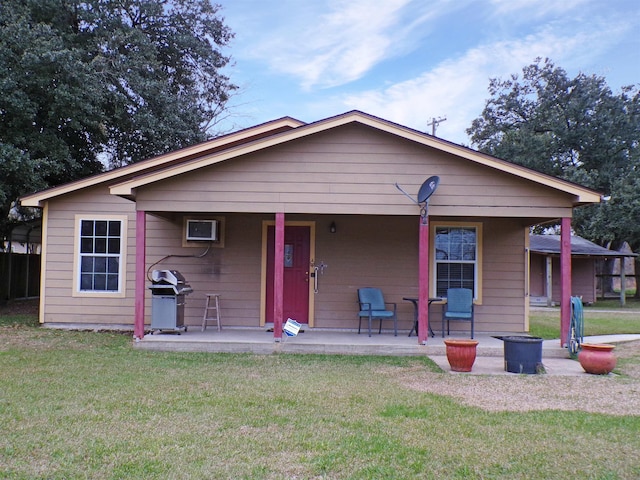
{"type": "Point", "coordinates": [122, 256]}
{"type": "Point", "coordinates": [477, 280]}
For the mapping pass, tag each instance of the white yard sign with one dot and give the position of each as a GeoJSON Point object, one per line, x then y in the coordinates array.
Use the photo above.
{"type": "Point", "coordinates": [291, 328]}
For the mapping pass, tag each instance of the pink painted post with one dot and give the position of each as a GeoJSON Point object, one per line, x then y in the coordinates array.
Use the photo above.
{"type": "Point", "coordinates": [141, 252]}
{"type": "Point", "coordinates": [423, 281]}
{"type": "Point", "coordinates": [565, 282]}
{"type": "Point", "coordinates": [278, 280]}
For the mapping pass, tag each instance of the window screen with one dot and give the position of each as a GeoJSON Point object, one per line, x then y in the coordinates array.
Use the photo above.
{"type": "Point", "coordinates": [100, 255]}
{"type": "Point", "coordinates": [456, 258]}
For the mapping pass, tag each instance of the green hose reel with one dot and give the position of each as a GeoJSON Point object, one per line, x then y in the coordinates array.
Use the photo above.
{"type": "Point", "coordinates": [576, 327]}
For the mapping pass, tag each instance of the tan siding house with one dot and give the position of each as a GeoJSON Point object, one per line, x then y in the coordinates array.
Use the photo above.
{"type": "Point", "coordinates": [285, 179]}
{"type": "Point", "coordinates": [544, 287]}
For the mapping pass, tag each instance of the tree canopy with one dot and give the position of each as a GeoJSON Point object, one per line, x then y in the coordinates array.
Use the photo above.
{"type": "Point", "coordinates": [576, 129]}
{"type": "Point", "coordinates": [95, 82]}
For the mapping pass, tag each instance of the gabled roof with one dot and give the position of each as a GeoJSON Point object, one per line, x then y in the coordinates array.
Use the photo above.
{"type": "Point", "coordinates": [163, 161]}
{"type": "Point", "coordinates": [124, 181]}
{"type": "Point", "coordinates": [550, 244]}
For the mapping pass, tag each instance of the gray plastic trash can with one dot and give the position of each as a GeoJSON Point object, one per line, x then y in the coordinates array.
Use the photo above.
{"type": "Point", "coordinates": [522, 354]}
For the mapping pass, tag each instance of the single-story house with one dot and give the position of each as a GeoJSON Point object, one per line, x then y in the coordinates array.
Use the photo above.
{"type": "Point", "coordinates": [300, 215]}
{"type": "Point", "coordinates": [544, 284]}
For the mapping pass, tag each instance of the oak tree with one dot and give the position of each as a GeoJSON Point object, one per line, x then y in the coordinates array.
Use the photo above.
{"type": "Point", "coordinates": [95, 83]}
{"type": "Point", "coordinates": [573, 128]}
{"type": "Point", "coordinates": [576, 129]}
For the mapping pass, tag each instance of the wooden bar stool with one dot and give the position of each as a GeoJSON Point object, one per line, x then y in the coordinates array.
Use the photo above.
{"type": "Point", "coordinates": [213, 303]}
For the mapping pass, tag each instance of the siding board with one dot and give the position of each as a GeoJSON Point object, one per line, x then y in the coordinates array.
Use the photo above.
{"type": "Point", "coordinates": [357, 255]}
{"type": "Point", "coordinates": [346, 175]}
{"type": "Point", "coordinates": [60, 305]}
{"type": "Point", "coordinates": [356, 166]}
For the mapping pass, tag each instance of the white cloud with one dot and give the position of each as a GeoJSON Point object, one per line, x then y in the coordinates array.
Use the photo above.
{"type": "Point", "coordinates": [535, 8]}
{"type": "Point", "coordinates": [457, 88]}
{"type": "Point", "coordinates": [343, 41]}
{"type": "Point", "coordinates": [331, 43]}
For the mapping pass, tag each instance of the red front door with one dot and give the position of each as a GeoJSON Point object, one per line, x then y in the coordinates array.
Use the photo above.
{"type": "Point", "coordinates": [297, 256]}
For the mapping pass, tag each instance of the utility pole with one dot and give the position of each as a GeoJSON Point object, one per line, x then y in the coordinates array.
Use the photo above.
{"type": "Point", "coordinates": [434, 123]}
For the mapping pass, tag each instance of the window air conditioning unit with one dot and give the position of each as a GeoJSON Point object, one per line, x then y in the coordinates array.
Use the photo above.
{"type": "Point", "coordinates": [206, 230]}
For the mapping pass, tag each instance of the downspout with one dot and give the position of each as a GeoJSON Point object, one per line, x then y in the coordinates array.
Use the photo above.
{"type": "Point", "coordinates": [565, 282]}
{"type": "Point", "coordinates": [141, 252]}
{"type": "Point", "coordinates": [278, 280]}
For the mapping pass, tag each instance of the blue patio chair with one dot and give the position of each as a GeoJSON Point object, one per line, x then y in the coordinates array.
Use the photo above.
{"type": "Point", "coordinates": [373, 306]}
{"type": "Point", "coordinates": [459, 306]}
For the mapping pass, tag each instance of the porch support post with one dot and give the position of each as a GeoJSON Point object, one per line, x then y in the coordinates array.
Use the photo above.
{"type": "Point", "coordinates": [278, 278]}
{"type": "Point", "coordinates": [548, 265]}
{"type": "Point", "coordinates": [565, 279]}
{"type": "Point", "coordinates": [141, 249]}
{"type": "Point", "coordinates": [423, 280]}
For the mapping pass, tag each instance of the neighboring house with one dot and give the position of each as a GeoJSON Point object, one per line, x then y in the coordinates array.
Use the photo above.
{"type": "Point", "coordinates": [321, 199]}
{"type": "Point", "coordinates": [544, 285]}
{"type": "Point", "coordinates": [26, 237]}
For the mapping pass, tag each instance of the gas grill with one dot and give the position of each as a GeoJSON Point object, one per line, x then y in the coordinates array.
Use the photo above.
{"type": "Point", "coordinates": [168, 289]}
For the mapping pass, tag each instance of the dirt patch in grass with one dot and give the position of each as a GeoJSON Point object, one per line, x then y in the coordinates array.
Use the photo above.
{"type": "Point", "coordinates": [20, 307]}
{"type": "Point", "coordinates": [614, 394]}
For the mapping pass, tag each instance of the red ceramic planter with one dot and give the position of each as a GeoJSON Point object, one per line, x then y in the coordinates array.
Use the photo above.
{"type": "Point", "coordinates": [598, 359]}
{"type": "Point", "coordinates": [461, 354]}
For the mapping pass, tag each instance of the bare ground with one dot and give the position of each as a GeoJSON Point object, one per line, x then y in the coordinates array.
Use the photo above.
{"type": "Point", "coordinates": [615, 394]}
{"type": "Point", "coordinates": [20, 307]}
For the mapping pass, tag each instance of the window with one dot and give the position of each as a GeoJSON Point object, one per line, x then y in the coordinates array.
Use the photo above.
{"type": "Point", "coordinates": [100, 255]}
{"type": "Point", "coordinates": [456, 258]}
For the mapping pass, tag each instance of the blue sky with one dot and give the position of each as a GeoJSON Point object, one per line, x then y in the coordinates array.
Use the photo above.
{"type": "Point", "coordinates": [409, 61]}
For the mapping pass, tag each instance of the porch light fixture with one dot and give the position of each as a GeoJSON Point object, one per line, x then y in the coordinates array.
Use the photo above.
{"type": "Point", "coordinates": [332, 227]}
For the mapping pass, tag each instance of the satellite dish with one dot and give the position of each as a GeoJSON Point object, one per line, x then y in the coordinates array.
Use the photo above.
{"type": "Point", "coordinates": [428, 187]}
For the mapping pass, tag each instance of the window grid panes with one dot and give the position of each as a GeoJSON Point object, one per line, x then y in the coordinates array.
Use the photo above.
{"type": "Point", "coordinates": [100, 253]}
{"type": "Point", "coordinates": [455, 255]}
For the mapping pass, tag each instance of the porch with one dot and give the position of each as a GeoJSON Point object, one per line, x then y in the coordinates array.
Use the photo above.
{"type": "Point", "coordinates": [490, 350]}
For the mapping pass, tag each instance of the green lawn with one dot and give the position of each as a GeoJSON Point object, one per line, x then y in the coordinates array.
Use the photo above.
{"type": "Point", "coordinates": [607, 317]}
{"type": "Point", "coordinates": [88, 405]}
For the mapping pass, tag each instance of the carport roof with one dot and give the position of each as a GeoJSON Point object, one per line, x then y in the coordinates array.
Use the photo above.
{"type": "Point", "coordinates": [550, 244]}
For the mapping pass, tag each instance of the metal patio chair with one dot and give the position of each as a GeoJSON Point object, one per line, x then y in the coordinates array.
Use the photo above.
{"type": "Point", "coordinates": [459, 306]}
{"type": "Point", "coordinates": [373, 307]}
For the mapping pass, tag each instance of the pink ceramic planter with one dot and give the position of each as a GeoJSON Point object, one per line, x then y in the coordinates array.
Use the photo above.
{"type": "Point", "coordinates": [597, 359]}
{"type": "Point", "coordinates": [461, 354]}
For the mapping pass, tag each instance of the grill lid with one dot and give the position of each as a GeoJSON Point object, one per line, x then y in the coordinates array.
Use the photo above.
{"type": "Point", "coordinates": [167, 277]}
{"type": "Point", "coordinates": [169, 282]}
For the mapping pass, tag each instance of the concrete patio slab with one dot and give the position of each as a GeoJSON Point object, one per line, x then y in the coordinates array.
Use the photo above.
{"type": "Point", "coordinates": [489, 360]}
{"type": "Point", "coordinates": [495, 366]}
{"type": "Point", "coordinates": [319, 341]}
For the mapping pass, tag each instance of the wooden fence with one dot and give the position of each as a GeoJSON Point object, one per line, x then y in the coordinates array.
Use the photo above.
{"type": "Point", "coordinates": [19, 275]}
